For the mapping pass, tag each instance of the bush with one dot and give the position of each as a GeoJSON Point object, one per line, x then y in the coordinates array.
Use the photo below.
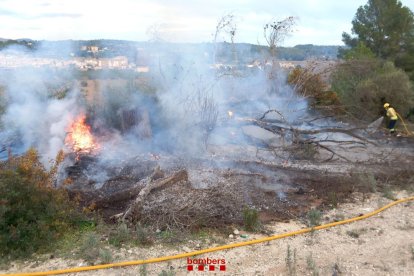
{"type": "Point", "coordinates": [89, 249]}
{"type": "Point", "coordinates": [309, 82]}
{"type": "Point", "coordinates": [314, 217]}
{"type": "Point", "coordinates": [143, 237]}
{"type": "Point", "coordinates": [121, 235]}
{"type": "Point", "coordinates": [32, 213]}
{"type": "Point", "coordinates": [306, 82]}
{"type": "Point", "coordinates": [106, 256]}
{"type": "Point", "coordinates": [365, 182]}
{"type": "Point", "coordinates": [250, 219]}
{"type": "Point", "coordinates": [363, 86]}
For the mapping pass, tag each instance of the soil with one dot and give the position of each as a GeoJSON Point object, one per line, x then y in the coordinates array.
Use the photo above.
{"type": "Point", "coordinates": [380, 245]}
{"type": "Point", "coordinates": [283, 189]}
{"type": "Point", "coordinates": [225, 181]}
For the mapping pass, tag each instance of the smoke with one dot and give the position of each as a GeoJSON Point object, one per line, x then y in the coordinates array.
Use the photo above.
{"type": "Point", "coordinates": [179, 107]}
{"type": "Point", "coordinates": [32, 116]}
{"type": "Point", "coordinates": [40, 98]}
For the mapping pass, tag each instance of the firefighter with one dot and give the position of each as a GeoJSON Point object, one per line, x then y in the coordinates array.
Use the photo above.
{"type": "Point", "coordinates": [392, 115]}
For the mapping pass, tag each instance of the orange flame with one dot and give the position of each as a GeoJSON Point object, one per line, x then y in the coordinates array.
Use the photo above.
{"type": "Point", "coordinates": [79, 137]}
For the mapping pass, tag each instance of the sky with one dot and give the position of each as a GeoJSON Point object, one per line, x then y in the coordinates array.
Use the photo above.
{"type": "Point", "coordinates": [319, 22]}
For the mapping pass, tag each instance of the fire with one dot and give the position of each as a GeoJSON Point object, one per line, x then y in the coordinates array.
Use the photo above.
{"type": "Point", "coordinates": [80, 138]}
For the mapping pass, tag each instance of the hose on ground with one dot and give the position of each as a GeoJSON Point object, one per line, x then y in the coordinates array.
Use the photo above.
{"type": "Point", "coordinates": [212, 249]}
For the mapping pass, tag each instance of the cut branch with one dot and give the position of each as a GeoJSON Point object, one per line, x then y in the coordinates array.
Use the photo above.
{"type": "Point", "coordinates": [135, 209]}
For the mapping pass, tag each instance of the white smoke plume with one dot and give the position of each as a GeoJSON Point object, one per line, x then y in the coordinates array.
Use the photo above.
{"type": "Point", "coordinates": [191, 99]}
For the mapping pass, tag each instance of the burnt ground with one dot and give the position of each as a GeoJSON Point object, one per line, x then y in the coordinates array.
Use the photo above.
{"type": "Point", "coordinates": [221, 185]}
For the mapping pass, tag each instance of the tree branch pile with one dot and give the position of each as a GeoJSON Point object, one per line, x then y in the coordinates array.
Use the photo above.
{"type": "Point", "coordinates": [171, 202]}
{"type": "Point", "coordinates": [310, 138]}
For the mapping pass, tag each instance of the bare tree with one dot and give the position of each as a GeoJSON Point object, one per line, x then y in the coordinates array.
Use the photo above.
{"type": "Point", "coordinates": [208, 112]}
{"type": "Point", "coordinates": [157, 32]}
{"type": "Point", "coordinates": [276, 31]}
{"type": "Point", "coordinates": [202, 104]}
{"type": "Point", "coordinates": [227, 25]}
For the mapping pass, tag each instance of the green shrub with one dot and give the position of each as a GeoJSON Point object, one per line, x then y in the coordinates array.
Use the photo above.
{"type": "Point", "coordinates": [365, 182]}
{"type": "Point", "coordinates": [388, 193]}
{"type": "Point", "coordinates": [142, 235]}
{"type": "Point", "coordinates": [167, 273]}
{"type": "Point", "coordinates": [250, 219]}
{"type": "Point", "coordinates": [291, 261]}
{"type": "Point", "coordinates": [33, 214]}
{"type": "Point", "coordinates": [333, 199]}
{"type": "Point", "coordinates": [353, 234]}
{"type": "Point", "coordinates": [311, 264]}
{"type": "Point", "coordinates": [89, 249]}
{"type": "Point", "coordinates": [121, 235]}
{"type": "Point", "coordinates": [143, 270]}
{"type": "Point", "coordinates": [356, 233]}
{"type": "Point", "coordinates": [412, 252]}
{"type": "Point", "coordinates": [363, 86]}
{"type": "Point", "coordinates": [105, 255]}
{"type": "Point", "coordinates": [314, 217]}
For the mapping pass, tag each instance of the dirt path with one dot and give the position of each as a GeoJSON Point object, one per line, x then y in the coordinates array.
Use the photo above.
{"type": "Point", "coordinates": [381, 245]}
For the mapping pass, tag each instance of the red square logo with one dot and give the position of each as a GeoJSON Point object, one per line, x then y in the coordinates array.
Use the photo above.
{"type": "Point", "coordinates": [223, 268]}
{"type": "Point", "coordinates": [201, 268]}
{"type": "Point", "coordinates": [190, 267]}
{"type": "Point", "coordinates": [211, 267]}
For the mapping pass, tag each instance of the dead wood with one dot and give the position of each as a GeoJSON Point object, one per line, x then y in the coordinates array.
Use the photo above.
{"type": "Point", "coordinates": [301, 136]}
{"type": "Point", "coordinates": [277, 128]}
{"type": "Point", "coordinates": [331, 151]}
{"type": "Point", "coordinates": [134, 210]}
{"type": "Point", "coordinates": [123, 195]}
{"type": "Point", "coordinates": [107, 199]}
{"type": "Point", "coordinates": [349, 132]}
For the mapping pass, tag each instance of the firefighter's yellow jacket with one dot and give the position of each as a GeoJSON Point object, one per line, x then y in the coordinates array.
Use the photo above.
{"type": "Point", "coordinates": [392, 114]}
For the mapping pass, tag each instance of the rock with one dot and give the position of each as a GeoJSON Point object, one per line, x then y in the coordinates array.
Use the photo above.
{"type": "Point", "coordinates": [231, 236]}
{"type": "Point", "coordinates": [186, 249]}
{"type": "Point", "coordinates": [158, 231]}
{"type": "Point", "coordinates": [236, 232]}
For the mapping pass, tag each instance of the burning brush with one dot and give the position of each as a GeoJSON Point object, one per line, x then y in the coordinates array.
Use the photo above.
{"type": "Point", "coordinates": [79, 138]}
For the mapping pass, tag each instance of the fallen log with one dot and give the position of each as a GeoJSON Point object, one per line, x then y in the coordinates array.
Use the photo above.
{"type": "Point", "coordinates": [300, 136]}
{"type": "Point", "coordinates": [135, 209]}
{"type": "Point", "coordinates": [286, 126]}
{"type": "Point", "coordinates": [129, 193]}
{"type": "Point", "coordinates": [123, 195]}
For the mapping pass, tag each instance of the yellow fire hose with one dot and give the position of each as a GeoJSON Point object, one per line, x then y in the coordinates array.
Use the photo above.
{"type": "Point", "coordinates": [213, 249]}
{"type": "Point", "coordinates": [409, 133]}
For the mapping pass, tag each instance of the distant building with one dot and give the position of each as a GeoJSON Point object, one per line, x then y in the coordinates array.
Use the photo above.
{"type": "Point", "coordinates": [287, 65]}
{"type": "Point", "coordinates": [142, 69]}
{"type": "Point", "coordinates": [94, 49]}
{"type": "Point", "coordinates": [119, 62]}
